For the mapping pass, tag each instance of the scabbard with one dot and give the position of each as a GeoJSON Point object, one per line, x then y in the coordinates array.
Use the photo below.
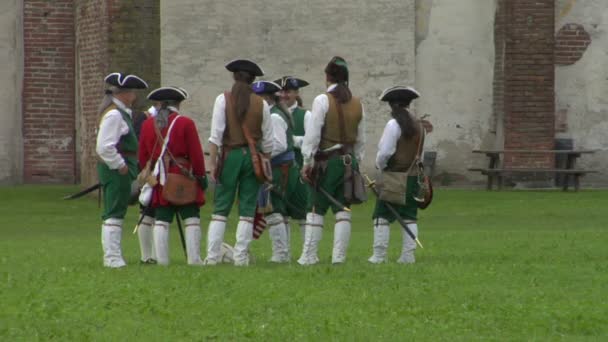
{"type": "Point", "coordinates": [83, 192]}
{"type": "Point", "coordinates": [220, 164]}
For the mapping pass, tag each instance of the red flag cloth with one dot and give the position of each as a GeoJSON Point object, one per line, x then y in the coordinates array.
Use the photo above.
{"type": "Point", "coordinates": [259, 225]}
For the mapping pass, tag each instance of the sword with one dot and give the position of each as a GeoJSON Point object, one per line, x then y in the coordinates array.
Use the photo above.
{"type": "Point", "coordinates": [332, 199]}
{"type": "Point", "coordinates": [372, 185]}
{"type": "Point", "coordinates": [83, 192]}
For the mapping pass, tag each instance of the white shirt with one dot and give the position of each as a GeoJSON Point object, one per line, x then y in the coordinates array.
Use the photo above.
{"type": "Point", "coordinates": [299, 139]}
{"type": "Point", "coordinates": [388, 143]}
{"type": "Point", "coordinates": [111, 129]}
{"type": "Point", "coordinates": [279, 134]}
{"type": "Point", "coordinates": [320, 107]}
{"type": "Point", "coordinates": [218, 124]}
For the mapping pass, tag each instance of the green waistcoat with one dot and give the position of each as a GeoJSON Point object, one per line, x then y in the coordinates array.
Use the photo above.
{"type": "Point", "coordinates": [290, 130]}
{"type": "Point", "coordinates": [298, 121]}
{"type": "Point", "coordinates": [128, 143]}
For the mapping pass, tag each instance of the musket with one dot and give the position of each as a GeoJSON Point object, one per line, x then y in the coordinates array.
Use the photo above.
{"type": "Point", "coordinates": [181, 233]}
{"type": "Point", "coordinates": [83, 192]}
{"type": "Point", "coordinates": [372, 185]}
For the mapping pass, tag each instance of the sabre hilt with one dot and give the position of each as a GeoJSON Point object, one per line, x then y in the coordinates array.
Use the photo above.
{"type": "Point", "coordinates": [370, 183]}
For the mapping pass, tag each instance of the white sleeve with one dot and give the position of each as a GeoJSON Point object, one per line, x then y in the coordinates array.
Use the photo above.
{"type": "Point", "coordinates": [388, 143]}
{"type": "Point", "coordinates": [308, 117]}
{"type": "Point", "coordinates": [111, 128]}
{"type": "Point", "coordinates": [279, 135]}
{"type": "Point", "coordinates": [297, 141]}
{"type": "Point", "coordinates": [312, 138]}
{"type": "Point", "coordinates": [359, 147]}
{"type": "Point", "coordinates": [218, 121]}
{"type": "Point", "coordinates": [267, 143]}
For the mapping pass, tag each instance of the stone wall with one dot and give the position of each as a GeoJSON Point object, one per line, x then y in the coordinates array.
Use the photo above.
{"type": "Point", "coordinates": [377, 38]}
{"type": "Point", "coordinates": [11, 73]}
{"type": "Point", "coordinates": [455, 74]}
{"type": "Point", "coordinates": [582, 80]}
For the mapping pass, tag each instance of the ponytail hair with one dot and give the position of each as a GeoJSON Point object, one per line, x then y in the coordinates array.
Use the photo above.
{"type": "Point", "coordinates": [336, 72]}
{"type": "Point", "coordinates": [106, 101]}
{"type": "Point", "coordinates": [241, 93]}
{"type": "Point", "coordinates": [409, 127]}
{"type": "Point", "coordinates": [162, 116]}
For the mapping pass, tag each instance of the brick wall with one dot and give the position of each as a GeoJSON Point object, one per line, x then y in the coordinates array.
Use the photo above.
{"type": "Point", "coordinates": [529, 81]}
{"type": "Point", "coordinates": [48, 91]}
{"type": "Point", "coordinates": [571, 42]}
{"type": "Point", "coordinates": [499, 65]}
{"type": "Point", "coordinates": [112, 35]}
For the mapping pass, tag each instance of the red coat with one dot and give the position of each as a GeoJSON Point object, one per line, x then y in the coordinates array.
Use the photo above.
{"type": "Point", "coordinates": [184, 142]}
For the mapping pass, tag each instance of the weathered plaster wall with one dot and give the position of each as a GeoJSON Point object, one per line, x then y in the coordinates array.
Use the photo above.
{"type": "Point", "coordinates": [454, 73]}
{"type": "Point", "coordinates": [582, 87]}
{"type": "Point", "coordinates": [11, 71]}
{"type": "Point", "coordinates": [377, 38]}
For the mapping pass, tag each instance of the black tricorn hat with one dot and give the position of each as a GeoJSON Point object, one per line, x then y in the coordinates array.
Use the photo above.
{"type": "Point", "coordinates": [399, 94]}
{"type": "Point", "coordinates": [265, 87]}
{"type": "Point", "coordinates": [168, 94]}
{"type": "Point", "coordinates": [123, 81]}
{"type": "Point", "coordinates": [245, 65]}
{"type": "Point", "coordinates": [290, 82]}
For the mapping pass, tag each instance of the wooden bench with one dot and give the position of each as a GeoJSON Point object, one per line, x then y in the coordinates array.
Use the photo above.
{"type": "Point", "coordinates": [494, 172]}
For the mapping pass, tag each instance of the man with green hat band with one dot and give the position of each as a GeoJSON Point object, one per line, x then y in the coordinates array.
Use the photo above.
{"type": "Point", "coordinates": [239, 115]}
{"type": "Point", "coordinates": [117, 167]}
{"type": "Point", "coordinates": [331, 151]}
{"type": "Point", "coordinates": [288, 194]}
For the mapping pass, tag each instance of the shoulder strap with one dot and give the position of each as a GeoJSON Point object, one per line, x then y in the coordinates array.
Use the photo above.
{"type": "Point", "coordinates": [420, 140]}
{"type": "Point", "coordinates": [165, 143]}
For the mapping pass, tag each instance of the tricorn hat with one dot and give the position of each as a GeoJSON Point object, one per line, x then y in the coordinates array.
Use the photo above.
{"type": "Point", "coordinates": [265, 87]}
{"type": "Point", "coordinates": [245, 65]}
{"type": "Point", "coordinates": [400, 94]}
{"type": "Point", "coordinates": [123, 81]}
{"type": "Point", "coordinates": [290, 82]}
{"type": "Point", "coordinates": [168, 94]}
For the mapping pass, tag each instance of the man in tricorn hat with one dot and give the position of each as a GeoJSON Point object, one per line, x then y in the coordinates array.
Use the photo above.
{"type": "Point", "coordinates": [288, 194]}
{"type": "Point", "coordinates": [234, 112]}
{"type": "Point", "coordinates": [117, 168]}
{"type": "Point", "coordinates": [332, 148]}
{"type": "Point", "coordinates": [290, 96]}
{"type": "Point", "coordinates": [290, 93]}
{"type": "Point", "coordinates": [182, 155]}
{"type": "Point", "coordinates": [401, 142]}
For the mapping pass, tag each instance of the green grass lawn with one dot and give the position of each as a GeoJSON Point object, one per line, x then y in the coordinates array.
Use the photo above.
{"type": "Point", "coordinates": [496, 266]}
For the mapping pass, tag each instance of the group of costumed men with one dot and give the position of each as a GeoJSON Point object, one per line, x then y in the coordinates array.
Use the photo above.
{"type": "Point", "coordinates": [267, 152]}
